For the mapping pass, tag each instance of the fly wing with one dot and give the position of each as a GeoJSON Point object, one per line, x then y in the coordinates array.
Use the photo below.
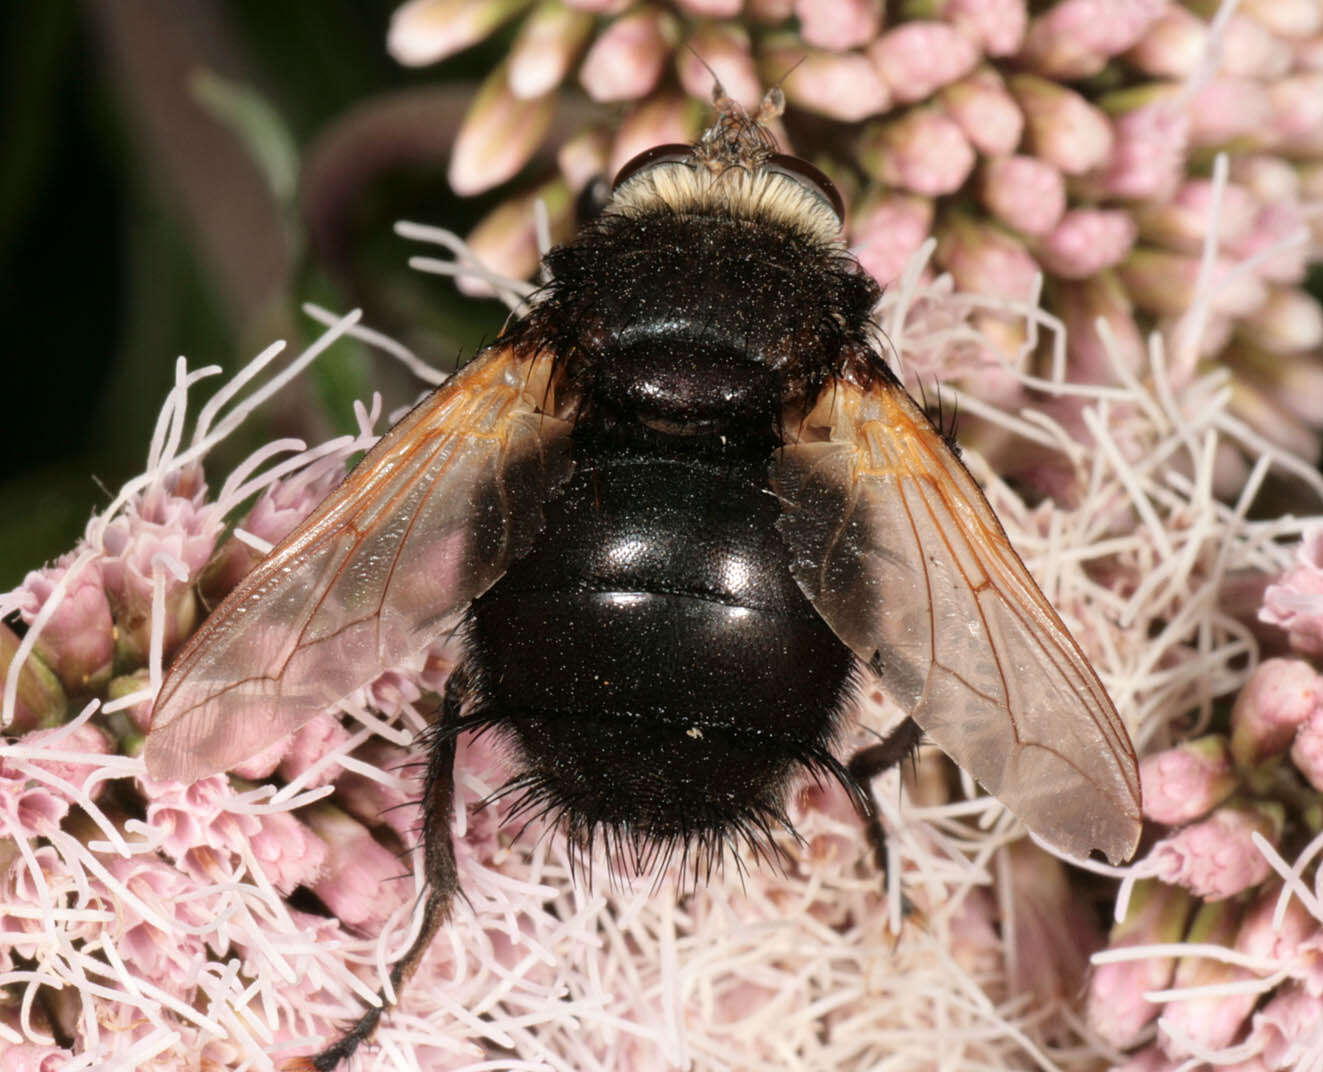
{"type": "Point", "coordinates": [429, 520]}
{"type": "Point", "coordinates": [901, 554]}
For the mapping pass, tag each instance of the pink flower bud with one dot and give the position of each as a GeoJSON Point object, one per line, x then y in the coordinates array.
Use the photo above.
{"type": "Point", "coordinates": [661, 119]}
{"type": "Point", "coordinates": [1187, 781]}
{"type": "Point", "coordinates": [28, 808]}
{"type": "Point", "coordinates": [996, 26]}
{"type": "Point", "coordinates": [923, 151]}
{"type": "Point", "coordinates": [724, 48]}
{"type": "Point", "coordinates": [711, 9]}
{"type": "Point", "coordinates": [363, 882]}
{"type": "Point", "coordinates": [1249, 50]}
{"type": "Point", "coordinates": [1209, 1023]}
{"type": "Point", "coordinates": [1148, 153]}
{"type": "Point", "coordinates": [505, 240]}
{"type": "Point", "coordinates": [1216, 858]}
{"type": "Point", "coordinates": [1064, 129]}
{"type": "Point", "coordinates": [1024, 192]}
{"type": "Point", "coordinates": [31, 1057]}
{"type": "Point", "coordinates": [498, 135]}
{"type": "Point", "coordinates": [374, 801]}
{"type": "Point", "coordinates": [1280, 697]}
{"type": "Point", "coordinates": [1297, 112]}
{"type": "Point", "coordinates": [1053, 934]}
{"type": "Point", "coordinates": [839, 85]}
{"type": "Point", "coordinates": [288, 853]}
{"type": "Point", "coordinates": [265, 763]}
{"type": "Point", "coordinates": [583, 158]}
{"type": "Point", "coordinates": [1115, 1006]}
{"type": "Point", "coordinates": [1267, 177]}
{"type": "Point", "coordinates": [273, 517]}
{"type": "Point", "coordinates": [1074, 39]}
{"type": "Point", "coordinates": [1086, 241]}
{"type": "Point", "coordinates": [1273, 225]}
{"type": "Point", "coordinates": [140, 714]}
{"type": "Point", "coordinates": [990, 373]}
{"type": "Point", "coordinates": [77, 641]}
{"type": "Point", "coordinates": [197, 816]}
{"type": "Point", "coordinates": [1149, 1059]}
{"type": "Point", "coordinates": [287, 502]}
{"type": "Point", "coordinates": [1292, 382]}
{"type": "Point", "coordinates": [1286, 18]}
{"type": "Point", "coordinates": [887, 230]}
{"type": "Point", "coordinates": [985, 260]}
{"type": "Point", "coordinates": [1081, 305]}
{"type": "Point", "coordinates": [169, 520]}
{"type": "Point", "coordinates": [836, 25]}
{"type": "Point", "coordinates": [1226, 109]}
{"type": "Point", "coordinates": [548, 42]}
{"type": "Point", "coordinates": [389, 692]}
{"type": "Point", "coordinates": [1165, 283]}
{"type": "Point", "coordinates": [309, 743]}
{"type": "Point", "coordinates": [424, 31]}
{"type": "Point", "coordinates": [1287, 1026]}
{"type": "Point", "coordinates": [975, 943]}
{"type": "Point", "coordinates": [1173, 46]}
{"type": "Point", "coordinates": [1307, 751]}
{"type": "Point", "coordinates": [1262, 934]}
{"type": "Point", "coordinates": [1309, 54]}
{"type": "Point", "coordinates": [1183, 222]}
{"type": "Point", "coordinates": [167, 957]}
{"type": "Point", "coordinates": [1262, 411]}
{"type": "Point", "coordinates": [917, 58]}
{"type": "Point", "coordinates": [627, 58]}
{"type": "Point", "coordinates": [87, 739]}
{"type": "Point", "coordinates": [1290, 320]}
{"type": "Point", "coordinates": [985, 111]}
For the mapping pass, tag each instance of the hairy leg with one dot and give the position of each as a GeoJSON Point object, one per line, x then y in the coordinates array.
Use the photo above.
{"type": "Point", "coordinates": [439, 863]}
{"type": "Point", "coordinates": [876, 759]}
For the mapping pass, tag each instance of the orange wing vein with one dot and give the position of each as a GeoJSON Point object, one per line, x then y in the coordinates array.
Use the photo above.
{"type": "Point", "coordinates": [900, 552]}
{"type": "Point", "coordinates": [430, 519]}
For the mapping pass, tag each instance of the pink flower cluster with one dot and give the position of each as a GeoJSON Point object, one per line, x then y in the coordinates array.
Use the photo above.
{"type": "Point", "coordinates": [1251, 978]}
{"type": "Point", "coordinates": [1295, 601]}
{"type": "Point", "coordinates": [1072, 138]}
{"type": "Point", "coordinates": [239, 919]}
{"type": "Point", "coordinates": [173, 879]}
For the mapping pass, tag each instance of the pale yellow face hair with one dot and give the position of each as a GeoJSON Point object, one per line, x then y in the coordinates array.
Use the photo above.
{"type": "Point", "coordinates": [741, 191]}
{"type": "Point", "coordinates": [726, 175]}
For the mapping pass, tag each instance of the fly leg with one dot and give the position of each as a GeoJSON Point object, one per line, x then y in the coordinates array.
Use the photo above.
{"type": "Point", "coordinates": [438, 863]}
{"type": "Point", "coordinates": [867, 764]}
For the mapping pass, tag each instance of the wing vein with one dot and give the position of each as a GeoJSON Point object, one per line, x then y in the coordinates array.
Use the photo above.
{"type": "Point", "coordinates": [911, 561]}
{"type": "Point", "coordinates": [418, 529]}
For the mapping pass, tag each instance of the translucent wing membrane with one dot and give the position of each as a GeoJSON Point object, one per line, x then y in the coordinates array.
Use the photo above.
{"type": "Point", "coordinates": [901, 554]}
{"type": "Point", "coordinates": [429, 520]}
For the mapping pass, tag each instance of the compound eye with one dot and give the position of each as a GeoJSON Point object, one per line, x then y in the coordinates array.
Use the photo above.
{"type": "Point", "coordinates": [807, 175]}
{"type": "Point", "coordinates": [658, 154]}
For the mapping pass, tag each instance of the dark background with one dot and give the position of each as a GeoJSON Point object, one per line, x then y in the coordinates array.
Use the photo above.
{"type": "Point", "coordinates": [136, 225]}
{"type": "Point", "coordinates": [139, 222]}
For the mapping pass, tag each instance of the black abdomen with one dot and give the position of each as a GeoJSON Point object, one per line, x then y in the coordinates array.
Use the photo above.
{"type": "Point", "coordinates": [653, 647]}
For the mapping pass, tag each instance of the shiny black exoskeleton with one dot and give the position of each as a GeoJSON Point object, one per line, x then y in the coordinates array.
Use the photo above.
{"type": "Point", "coordinates": [652, 660]}
{"type": "Point", "coordinates": [673, 507]}
{"type": "Point", "coordinates": [658, 674]}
